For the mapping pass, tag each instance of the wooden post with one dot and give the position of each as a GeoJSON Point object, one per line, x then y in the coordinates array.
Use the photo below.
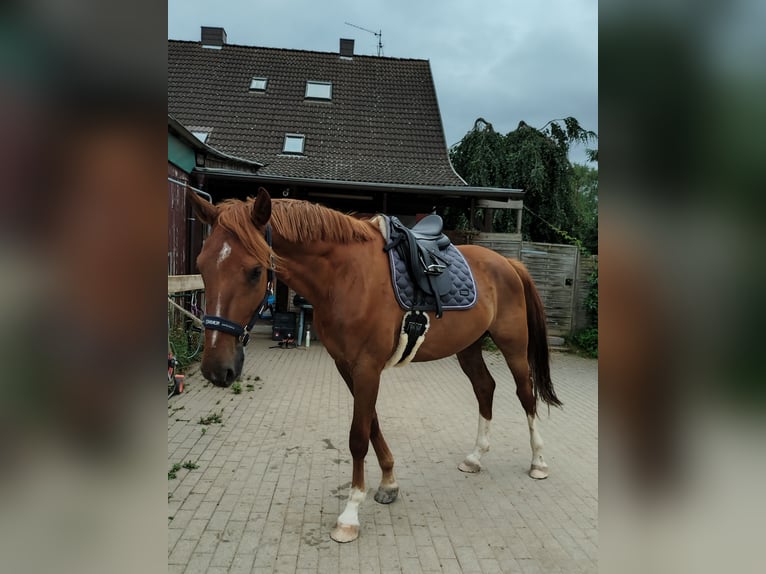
{"type": "Point", "coordinates": [486, 224]}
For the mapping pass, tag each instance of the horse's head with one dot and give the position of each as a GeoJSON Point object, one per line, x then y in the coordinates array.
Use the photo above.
{"type": "Point", "coordinates": [234, 264]}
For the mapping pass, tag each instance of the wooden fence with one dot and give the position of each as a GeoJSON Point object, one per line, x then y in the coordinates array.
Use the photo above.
{"type": "Point", "coordinates": [559, 271]}
{"type": "Point", "coordinates": [181, 284]}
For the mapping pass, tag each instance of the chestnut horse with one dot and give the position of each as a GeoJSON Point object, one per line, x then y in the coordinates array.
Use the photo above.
{"type": "Point", "coordinates": [337, 262]}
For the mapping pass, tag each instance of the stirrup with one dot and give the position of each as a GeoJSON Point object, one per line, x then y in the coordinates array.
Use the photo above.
{"type": "Point", "coordinates": [435, 269]}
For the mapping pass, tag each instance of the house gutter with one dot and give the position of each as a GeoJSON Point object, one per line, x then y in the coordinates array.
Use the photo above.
{"type": "Point", "coordinates": [458, 190]}
{"type": "Point", "coordinates": [187, 185]}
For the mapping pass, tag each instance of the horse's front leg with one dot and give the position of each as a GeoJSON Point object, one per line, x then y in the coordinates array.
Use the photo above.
{"type": "Point", "coordinates": [365, 390]}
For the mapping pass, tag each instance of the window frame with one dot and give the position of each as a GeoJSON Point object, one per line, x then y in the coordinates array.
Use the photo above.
{"type": "Point", "coordinates": [317, 83]}
{"type": "Point", "coordinates": [259, 78]}
{"type": "Point", "coordinates": [294, 137]}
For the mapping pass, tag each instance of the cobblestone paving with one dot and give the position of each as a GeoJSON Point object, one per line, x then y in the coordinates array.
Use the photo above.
{"type": "Point", "coordinates": [274, 474]}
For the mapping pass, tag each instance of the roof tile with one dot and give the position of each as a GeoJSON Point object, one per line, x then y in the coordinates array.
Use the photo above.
{"type": "Point", "coordinates": [382, 125]}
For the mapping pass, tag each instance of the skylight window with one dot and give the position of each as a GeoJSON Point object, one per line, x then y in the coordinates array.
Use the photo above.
{"type": "Point", "coordinates": [258, 84]}
{"type": "Point", "coordinates": [201, 136]}
{"type": "Point", "coordinates": [294, 143]}
{"type": "Point", "coordinates": [319, 90]}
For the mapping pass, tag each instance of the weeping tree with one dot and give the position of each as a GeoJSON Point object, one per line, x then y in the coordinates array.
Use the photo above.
{"type": "Point", "coordinates": [585, 183]}
{"type": "Point", "coordinates": [535, 160]}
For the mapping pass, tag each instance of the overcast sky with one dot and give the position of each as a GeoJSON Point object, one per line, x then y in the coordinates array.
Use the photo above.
{"type": "Point", "coordinates": [503, 60]}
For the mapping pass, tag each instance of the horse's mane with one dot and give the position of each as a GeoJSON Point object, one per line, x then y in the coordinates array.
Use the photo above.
{"type": "Point", "coordinates": [295, 220]}
{"type": "Point", "coordinates": [300, 221]}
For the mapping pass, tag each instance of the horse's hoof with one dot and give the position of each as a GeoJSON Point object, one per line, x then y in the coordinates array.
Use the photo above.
{"type": "Point", "coordinates": [345, 532]}
{"type": "Point", "coordinates": [538, 472]}
{"type": "Point", "coordinates": [469, 466]}
{"type": "Point", "coordinates": [386, 495]}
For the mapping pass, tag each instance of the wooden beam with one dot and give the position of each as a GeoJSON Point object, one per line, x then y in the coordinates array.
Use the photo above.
{"type": "Point", "coordinates": [194, 318]}
{"type": "Point", "coordinates": [510, 204]}
{"type": "Point", "coordinates": [177, 283]}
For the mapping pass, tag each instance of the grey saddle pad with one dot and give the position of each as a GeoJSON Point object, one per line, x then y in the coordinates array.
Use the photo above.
{"type": "Point", "coordinates": [462, 293]}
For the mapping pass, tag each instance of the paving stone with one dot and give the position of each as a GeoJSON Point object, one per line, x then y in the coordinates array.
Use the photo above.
{"type": "Point", "coordinates": [275, 475]}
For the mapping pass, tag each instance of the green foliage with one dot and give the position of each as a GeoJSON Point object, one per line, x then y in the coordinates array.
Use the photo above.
{"type": "Point", "coordinates": [212, 418]}
{"type": "Point", "coordinates": [487, 344]}
{"type": "Point", "coordinates": [587, 339]}
{"type": "Point", "coordinates": [585, 185]}
{"type": "Point", "coordinates": [455, 219]}
{"type": "Point", "coordinates": [481, 155]}
{"type": "Point", "coordinates": [173, 472]}
{"type": "Point", "coordinates": [236, 388]}
{"type": "Point", "coordinates": [184, 345]}
{"type": "Point", "coordinates": [535, 160]}
{"type": "Point", "coordinates": [591, 299]}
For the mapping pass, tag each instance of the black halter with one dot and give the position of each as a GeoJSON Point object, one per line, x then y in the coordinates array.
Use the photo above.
{"type": "Point", "coordinates": [230, 327]}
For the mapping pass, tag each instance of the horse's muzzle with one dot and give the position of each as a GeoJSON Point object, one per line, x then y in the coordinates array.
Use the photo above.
{"type": "Point", "coordinates": [223, 371]}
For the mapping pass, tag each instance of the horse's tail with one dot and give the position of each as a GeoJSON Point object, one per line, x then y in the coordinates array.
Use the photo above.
{"type": "Point", "coordinates": [537, 348]}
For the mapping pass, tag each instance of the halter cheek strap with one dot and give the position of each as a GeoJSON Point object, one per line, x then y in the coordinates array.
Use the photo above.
{"type": "Point", "coordinates": [230, 327]}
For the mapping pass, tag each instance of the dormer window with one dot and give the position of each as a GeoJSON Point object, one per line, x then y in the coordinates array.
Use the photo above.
{"type": "Point", "coordinates": [318, 90]}
{"type": "Point", "coordinates": [258, 84]}
{"type": "Point", "coordinates": [294, 144]}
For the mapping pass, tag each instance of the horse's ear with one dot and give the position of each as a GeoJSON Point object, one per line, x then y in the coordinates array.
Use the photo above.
{"type": "Point", "coordinates": [261, 208]}
{"type": "Point", "coordinates": [205, 211]}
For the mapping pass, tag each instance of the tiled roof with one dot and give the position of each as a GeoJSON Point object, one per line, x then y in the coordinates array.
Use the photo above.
{"type": "Point", "coordinates": [382, 124]}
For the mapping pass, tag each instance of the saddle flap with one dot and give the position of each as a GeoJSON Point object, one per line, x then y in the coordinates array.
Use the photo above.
{"type": "Point", "coordinates": [450, 278]}
{"type": "Point", "coordinates": [424, 263]}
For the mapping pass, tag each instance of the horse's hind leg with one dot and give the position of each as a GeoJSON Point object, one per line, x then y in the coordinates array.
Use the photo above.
{"type": "Point", "coordinates": [473, 365]}
{"type": "Point", "coordinates": [515, 353]}
{"type": "Point", "coordinates": [388, 490]}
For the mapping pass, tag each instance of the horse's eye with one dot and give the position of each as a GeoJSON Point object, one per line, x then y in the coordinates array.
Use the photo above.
{"type": "Point", "coordinates": [254, 274]}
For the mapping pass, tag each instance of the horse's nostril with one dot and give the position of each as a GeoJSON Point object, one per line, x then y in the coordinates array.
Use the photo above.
{"type": "Point", "coordinates": [230, 376]}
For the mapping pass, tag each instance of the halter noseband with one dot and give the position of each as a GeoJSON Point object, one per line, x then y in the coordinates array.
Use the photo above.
{"type": "Point", "coordinates": [230, 327]}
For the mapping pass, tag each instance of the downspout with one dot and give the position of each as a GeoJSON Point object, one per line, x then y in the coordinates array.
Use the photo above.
{"type": "Point", "coordinates": [186, 184]}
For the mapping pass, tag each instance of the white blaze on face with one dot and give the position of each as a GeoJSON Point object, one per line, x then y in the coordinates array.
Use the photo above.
{"type": "Point", "coordinates": [214, 336]}
{"type": "Point", "coordinates": [225, 252]}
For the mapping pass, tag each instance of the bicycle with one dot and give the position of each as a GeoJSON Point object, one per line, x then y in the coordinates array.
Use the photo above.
{"type": "Point", "coordinates": [175, 381]}
{"type": "Point", "coordinates": [186, 341]}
